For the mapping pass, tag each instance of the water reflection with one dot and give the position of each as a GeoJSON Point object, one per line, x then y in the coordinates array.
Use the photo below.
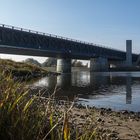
{"type": "Point", "coordinates": [99, 89]}
{"type": "Point", "coordinates": [128, 90]}
{"type": "Point", "coordinates": [64, 81]}
{"type": "Point", "coordinates": [98, 82]}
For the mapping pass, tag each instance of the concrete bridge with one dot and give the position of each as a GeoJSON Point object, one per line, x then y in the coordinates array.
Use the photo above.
{"type": "Point", "coordinates": [15, 40]}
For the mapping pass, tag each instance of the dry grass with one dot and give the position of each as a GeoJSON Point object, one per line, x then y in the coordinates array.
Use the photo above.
{"type": "Point", "coordinates": [25, 117]}
{"type": "Point", "coordinates": [21, 69]}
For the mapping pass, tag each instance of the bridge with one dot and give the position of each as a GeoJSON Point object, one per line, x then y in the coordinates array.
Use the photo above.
{"type": "Point", "coordinates": [15, 40]}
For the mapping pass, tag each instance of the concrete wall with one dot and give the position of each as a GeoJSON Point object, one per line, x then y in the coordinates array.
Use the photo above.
{"type": "Point", "coordinates": [64, 65]}
{"type": "Point", "coordinates": [129, 53]}
{"type": "Point", "coordinates": [99, 64]}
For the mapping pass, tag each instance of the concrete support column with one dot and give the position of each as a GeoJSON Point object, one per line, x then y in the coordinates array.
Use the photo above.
{"type": "Point", "coordinates": [129, 53]}
{"type": "Point", "coordinates": [99, 64]}
{"type": "Point", "coordinates": [64, 65]}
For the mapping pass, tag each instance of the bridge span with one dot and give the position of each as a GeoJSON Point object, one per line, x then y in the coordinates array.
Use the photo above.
{"type": "Point", "coordinates": [15, 40]}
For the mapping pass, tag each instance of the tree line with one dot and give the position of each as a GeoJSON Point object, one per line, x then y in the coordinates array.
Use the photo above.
{"type": "Point", "coordinates": [52, 62]}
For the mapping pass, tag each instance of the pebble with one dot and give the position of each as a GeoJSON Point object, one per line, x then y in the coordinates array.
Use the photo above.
{"type": "Point", "coordinates": [101, 112]}
{"type": "Point", "coordinates": [112, 135]}
{"type": "Point", "coordinates": [99, 119]}
{"type": "Point", "coordinates": [109, 110]}
{"type": "Point", "coordinates": [82, 117]}
{"type": "Point", "coordinates": [124, 112]}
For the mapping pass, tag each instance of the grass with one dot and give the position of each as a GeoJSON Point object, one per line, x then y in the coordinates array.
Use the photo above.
{"type": "Point", "coordinates": [18, 116]}
{"type": "Point", "coordinates": [21, 69]}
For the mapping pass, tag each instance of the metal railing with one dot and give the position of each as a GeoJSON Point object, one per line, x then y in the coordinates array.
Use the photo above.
{"type": "Point", "coordinates": [56, 36]}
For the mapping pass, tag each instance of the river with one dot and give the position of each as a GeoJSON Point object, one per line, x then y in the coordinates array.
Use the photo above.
{"type": "Point", "coordinates": [115, 90]}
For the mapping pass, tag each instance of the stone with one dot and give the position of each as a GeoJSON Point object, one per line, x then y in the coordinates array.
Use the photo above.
{"type": "Point", "coordinates": [124, 112]}
{"type": "Point", "coordinates": [99, 119]}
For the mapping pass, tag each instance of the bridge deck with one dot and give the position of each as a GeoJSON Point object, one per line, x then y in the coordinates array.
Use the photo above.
{"type": "Point", "coordinates": [15, 40]}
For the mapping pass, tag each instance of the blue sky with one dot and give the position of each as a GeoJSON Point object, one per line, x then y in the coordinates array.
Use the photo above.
{"type": "Point", "coordinates": [105, 22]}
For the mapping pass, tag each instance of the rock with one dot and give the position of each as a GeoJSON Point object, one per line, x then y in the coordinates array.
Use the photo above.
{"type": "Point", "coordinates": [109, 110]}
{"type": "Point", "coordinates": [99, 119]}
{"type": "Point", "coordinates": [131, 120]}
{"type": "Point", "coordinates": [112, 135]}
{"type": "Point", "coordinates": [102, 108]}
{"type": "Point", "coordinates": [101, 112]}
{"type": "Point", "coordinates": [82, 117]}
{"type": "Point", "coordinates": [124, 112]}
{"type": "Point", "coordinates": [132, 112]}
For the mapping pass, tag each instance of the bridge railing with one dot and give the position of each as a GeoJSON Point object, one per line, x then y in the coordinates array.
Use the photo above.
{"type": "Point", "coordinates": [56, 36]}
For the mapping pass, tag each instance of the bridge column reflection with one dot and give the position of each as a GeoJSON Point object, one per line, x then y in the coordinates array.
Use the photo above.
{"type": "Point", "coordinates": [128, 90]}
{"type": "Point", "coordinates": [97, 80]}
{"type": "Point", "coordinates": [64, 80]}
{"type": "Point", "coordinates": [65, 89]}
{"type": "Point", "coordinates": [51, 82]}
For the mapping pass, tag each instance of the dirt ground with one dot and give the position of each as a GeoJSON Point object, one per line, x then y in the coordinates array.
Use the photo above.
{"type": "Point", "coordinates": [121, 125]}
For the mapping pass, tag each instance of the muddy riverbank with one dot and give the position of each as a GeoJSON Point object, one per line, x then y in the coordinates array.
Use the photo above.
{"type": "Point", "coordinates": [114, 125]}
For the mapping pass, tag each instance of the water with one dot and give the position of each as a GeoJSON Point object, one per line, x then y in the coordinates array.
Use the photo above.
{"type": "Point", "coordinates": [116, 90]}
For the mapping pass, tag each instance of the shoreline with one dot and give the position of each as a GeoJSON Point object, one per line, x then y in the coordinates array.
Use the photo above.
{"type": "Point", "coordinates": [120, 125]}
{"type": "Point", "coordinates": [109, 124]}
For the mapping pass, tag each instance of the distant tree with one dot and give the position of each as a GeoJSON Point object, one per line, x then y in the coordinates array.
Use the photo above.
{"type": "Point", "coordinates": [76, 63]}
{"type": "Point", "coordinates": [73, 63]}
{"type": "Point", "coordinates": [86, 65]}
{"type": "Point", "coordinates": [32, 61]}
{"type": "Point", "coordinates": [50, 62]}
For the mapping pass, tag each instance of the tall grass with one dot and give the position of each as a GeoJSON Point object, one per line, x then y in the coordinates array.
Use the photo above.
{"type": "Point", "coordinates": [20, 117]}
{"type": "Point", "coordinates": [24, 116]}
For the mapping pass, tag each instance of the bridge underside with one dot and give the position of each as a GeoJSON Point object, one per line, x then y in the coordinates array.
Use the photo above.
{"type": "Point", "coordinates": [64, 59]}
{"type": "Point", "coordinates": [47, 53]}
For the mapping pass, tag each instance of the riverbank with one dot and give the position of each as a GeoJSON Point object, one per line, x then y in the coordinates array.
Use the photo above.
{"type": "Point", "coordinates": [108, 124]}
{"type": "Point", "coordinates": [122, 125]}
{"type": "Point", "coordinates": [31, 116]}
{"type": "Point", "coordinates": [23, 71]}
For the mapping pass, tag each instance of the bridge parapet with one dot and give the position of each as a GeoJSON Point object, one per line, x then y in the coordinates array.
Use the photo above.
{"type": "Point", "coordinates": [57, 36]}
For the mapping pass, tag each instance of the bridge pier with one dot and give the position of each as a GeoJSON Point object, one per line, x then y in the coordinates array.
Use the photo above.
{"type": "Point", "coordinates": [129, 53]}
{"type": "Point", "coordinates": [64, 65]}
{"type": "Point", "coordinates": [99, 64]}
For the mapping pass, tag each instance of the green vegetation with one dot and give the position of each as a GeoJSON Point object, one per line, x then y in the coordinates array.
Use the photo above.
{"type": "Point", "coordinates": [76, 63]}
{"type": "Point", "coordinates": [22, 70]}
{"type": "Point", "coordinates": [52, 62]}
{"type": "Point", "coordinates": [18, 116]}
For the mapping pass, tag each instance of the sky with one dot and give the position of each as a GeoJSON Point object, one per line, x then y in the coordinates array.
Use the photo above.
{"type": "Point", "coordinates": [105, 22]}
